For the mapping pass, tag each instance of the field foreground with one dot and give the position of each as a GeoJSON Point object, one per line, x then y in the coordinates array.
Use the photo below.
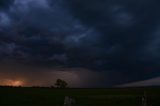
{"type": "Point", "coordinates": [84, 97]}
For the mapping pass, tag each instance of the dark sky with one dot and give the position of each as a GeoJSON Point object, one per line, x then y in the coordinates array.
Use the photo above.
{"type": "Point", "coordinates": [89, 43]}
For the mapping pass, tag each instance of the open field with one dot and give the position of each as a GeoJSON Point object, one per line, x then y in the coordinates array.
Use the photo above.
{"type": "Point", "coordinates": [83, 97]}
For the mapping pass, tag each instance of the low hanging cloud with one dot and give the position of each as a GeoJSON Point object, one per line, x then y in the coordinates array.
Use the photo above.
{"type": "Point", "coordinates": [111, 37]}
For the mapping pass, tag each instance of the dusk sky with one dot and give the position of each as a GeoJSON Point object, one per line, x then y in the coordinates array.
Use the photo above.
{"type": "Point", "coordinates": [88, 43]}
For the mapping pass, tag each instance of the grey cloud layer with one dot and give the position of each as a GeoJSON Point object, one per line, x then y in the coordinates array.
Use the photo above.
{"type": "Point", "coordinates": [103, 35]}
{"type": "Point", "coordinates": [45, 32]}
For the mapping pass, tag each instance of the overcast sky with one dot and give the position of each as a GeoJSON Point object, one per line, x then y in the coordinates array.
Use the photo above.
{"type": "Point", "coordinates": [89, 43]}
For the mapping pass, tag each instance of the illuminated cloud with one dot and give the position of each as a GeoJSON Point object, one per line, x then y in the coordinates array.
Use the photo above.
{"type": "Point", "coordinates": [5, 20]}
{"type": "Point", "coordinates": [8, 82]}
{"type": "Point", "coordinates": [25, 5]}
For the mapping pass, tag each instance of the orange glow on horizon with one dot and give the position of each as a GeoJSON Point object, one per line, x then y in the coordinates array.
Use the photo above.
{"type": "Point", "coordinates": [13, 83]}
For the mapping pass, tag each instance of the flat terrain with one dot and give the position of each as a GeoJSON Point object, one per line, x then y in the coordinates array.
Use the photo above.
{"type": "Point", "coordinates": [83, 97]}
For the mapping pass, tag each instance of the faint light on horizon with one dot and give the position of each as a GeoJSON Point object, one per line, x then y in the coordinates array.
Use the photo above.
{"type": "Point", "coordinates": [9, 82]}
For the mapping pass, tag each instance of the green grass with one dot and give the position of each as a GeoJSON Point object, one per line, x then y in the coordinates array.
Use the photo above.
{"type": "Point", "coordinates": [83, 97]}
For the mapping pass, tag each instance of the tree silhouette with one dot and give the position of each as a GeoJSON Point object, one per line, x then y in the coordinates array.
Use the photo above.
{"type": "Point", "coordinates": [61, 83]}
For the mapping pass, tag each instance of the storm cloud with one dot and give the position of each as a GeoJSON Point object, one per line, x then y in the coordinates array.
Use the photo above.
{"type": "Point", "coordinates": [117, 38]}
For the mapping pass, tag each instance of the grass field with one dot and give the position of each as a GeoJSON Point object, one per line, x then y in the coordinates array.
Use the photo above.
{"type": "Point", "coordinates": [83, 97]}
